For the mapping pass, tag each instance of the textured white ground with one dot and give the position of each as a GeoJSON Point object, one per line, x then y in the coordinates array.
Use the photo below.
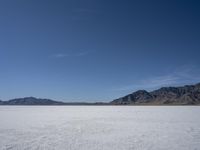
{"type": "Point", "coordinates": [99, 128]}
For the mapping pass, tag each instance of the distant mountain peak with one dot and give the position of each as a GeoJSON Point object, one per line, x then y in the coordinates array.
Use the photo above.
{"type": "Point", "coordinates": [140, 91]}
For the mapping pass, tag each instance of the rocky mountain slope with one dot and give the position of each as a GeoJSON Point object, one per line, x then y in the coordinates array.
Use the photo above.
{"type": "Point", "coordinates": [186, 95]}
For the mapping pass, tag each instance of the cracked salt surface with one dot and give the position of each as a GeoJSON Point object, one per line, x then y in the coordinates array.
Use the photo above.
{"type": "Point", "coordinates": [99, 128]}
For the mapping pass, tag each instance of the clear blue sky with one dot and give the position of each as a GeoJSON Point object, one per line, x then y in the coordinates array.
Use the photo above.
{"type": "Point", "coordinates": [96, 50]}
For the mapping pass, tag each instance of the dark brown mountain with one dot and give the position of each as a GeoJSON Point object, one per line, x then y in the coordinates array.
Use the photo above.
{"type": "Point", "coordinates": [186, 95]}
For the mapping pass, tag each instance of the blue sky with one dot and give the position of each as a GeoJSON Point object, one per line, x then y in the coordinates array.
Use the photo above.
{"type": "Point", "coordinates": [96, 50]}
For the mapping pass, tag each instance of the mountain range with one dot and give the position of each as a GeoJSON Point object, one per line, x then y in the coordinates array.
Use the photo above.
{"type": "Point", "coordinates": [185, 95]}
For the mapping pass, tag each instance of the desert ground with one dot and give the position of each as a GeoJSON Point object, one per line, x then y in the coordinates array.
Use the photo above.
{"type": "Point", "coordinates": [99, 127]}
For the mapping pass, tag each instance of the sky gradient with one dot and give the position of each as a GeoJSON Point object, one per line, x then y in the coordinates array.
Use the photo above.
{"type": "Point", "coordinates": [96, 50]}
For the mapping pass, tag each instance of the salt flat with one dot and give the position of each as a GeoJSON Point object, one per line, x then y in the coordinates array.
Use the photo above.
{"type": "Point", "coordinates": [99, 128]}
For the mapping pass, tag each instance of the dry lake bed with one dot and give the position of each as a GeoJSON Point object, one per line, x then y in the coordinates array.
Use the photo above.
{"type": "Point", "coordinates": [99, 128]}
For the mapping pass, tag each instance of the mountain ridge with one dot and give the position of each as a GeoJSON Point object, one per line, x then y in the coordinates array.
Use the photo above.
{"type": "Point", "coordinates": [182, 95]}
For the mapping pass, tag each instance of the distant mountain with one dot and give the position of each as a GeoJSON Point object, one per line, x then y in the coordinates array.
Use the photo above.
{"type": "Point", "coordinates": [186, 95]}
{"type": "Point", "coordinates": [40, 101]}
{"type": "Point", "coordinates": [31, 101]}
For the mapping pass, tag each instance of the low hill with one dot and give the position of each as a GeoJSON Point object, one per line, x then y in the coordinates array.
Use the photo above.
{"type": "Point", "coordinates": [40, 101]}
{"type": "Point", "coordinates": [31, 101]}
